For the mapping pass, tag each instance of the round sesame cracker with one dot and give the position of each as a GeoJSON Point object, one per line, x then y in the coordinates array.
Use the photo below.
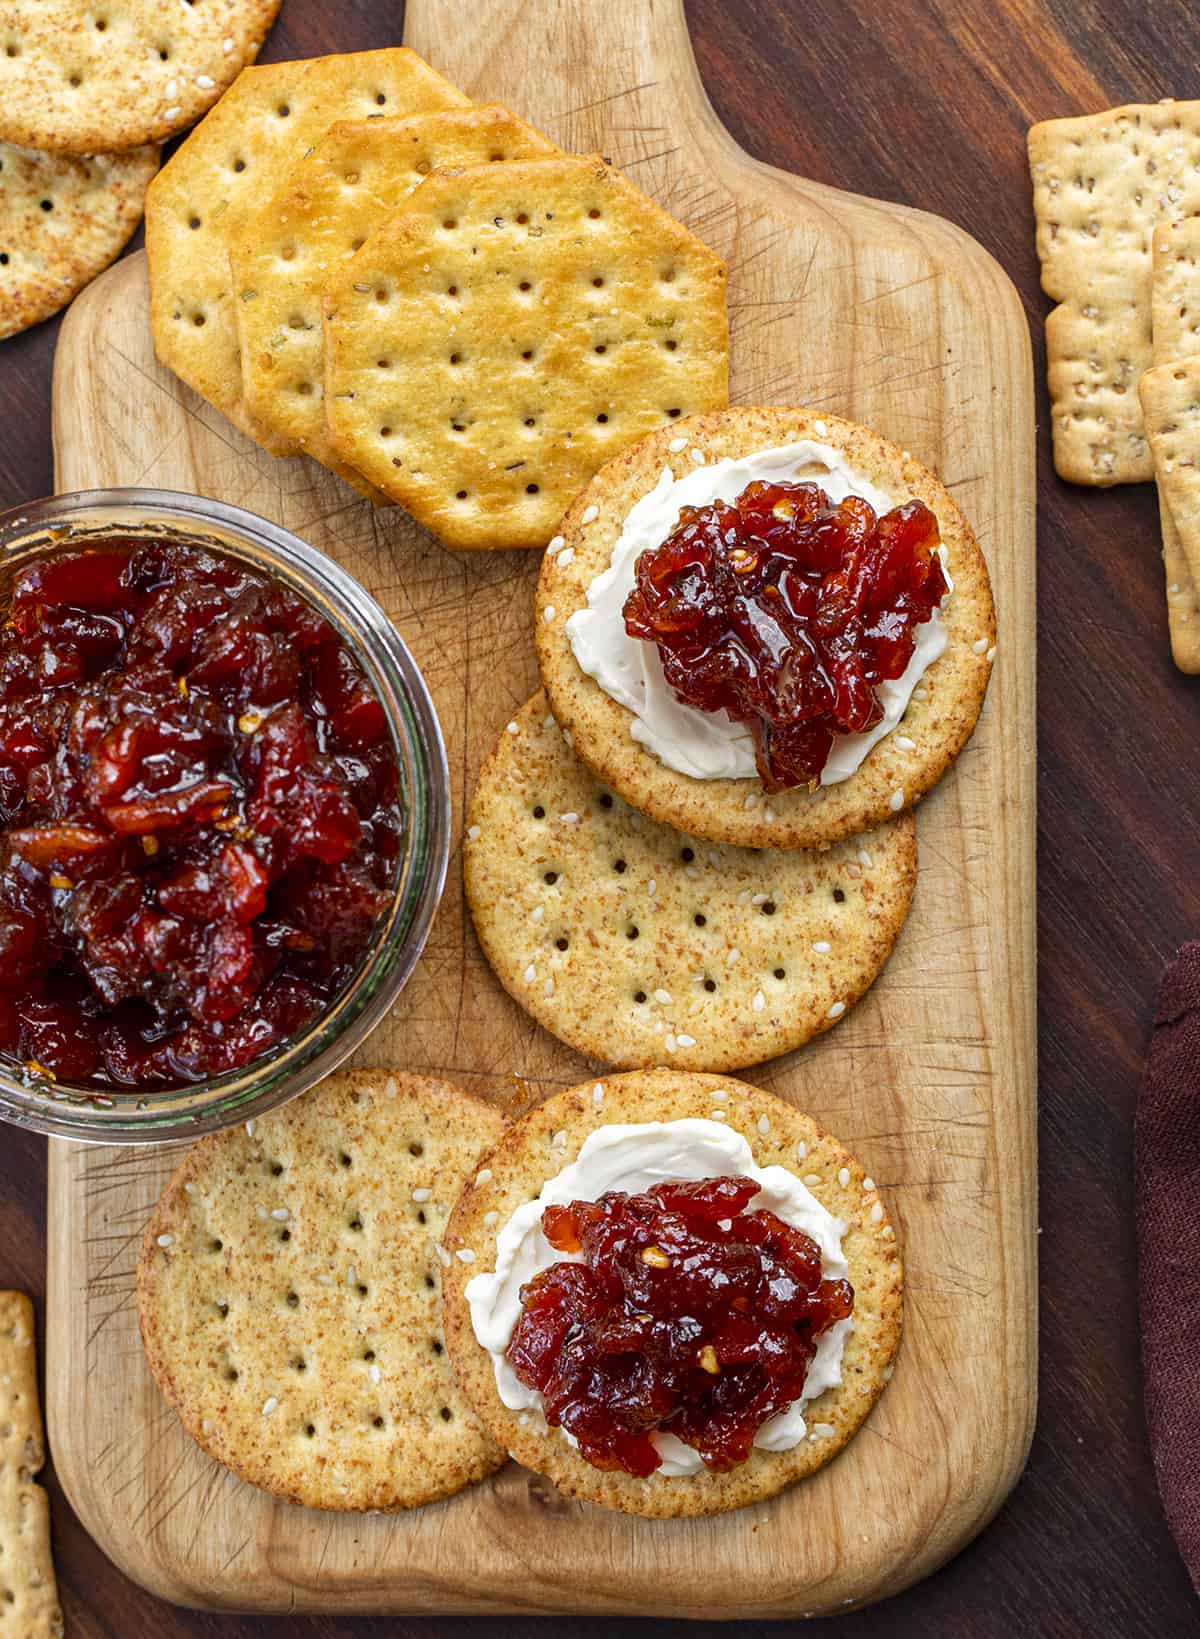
{"type": "Point", "coordinates": [550, 1138]}
{"type": "Point", "coordinates": [62, 221]}
{"type": "Point", "coordinates": [119, 73]}
{"type": "Point", "coordinates": [288, 1294]}
{"type": "Point", "coordinates": [638, 945]}
{"type": "Point", "coordinates": [900, 769]}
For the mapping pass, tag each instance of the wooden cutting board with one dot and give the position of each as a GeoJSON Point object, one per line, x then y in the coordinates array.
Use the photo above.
{"type": "Point", "coordinates": [870, 310]}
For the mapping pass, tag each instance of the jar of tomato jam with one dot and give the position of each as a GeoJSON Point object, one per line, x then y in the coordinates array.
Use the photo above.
{"type": "Point", "coordinates": [224, 815]}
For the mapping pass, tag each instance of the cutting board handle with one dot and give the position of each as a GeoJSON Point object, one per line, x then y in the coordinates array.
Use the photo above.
{"type": "Point", "coordinates": [498, 49]}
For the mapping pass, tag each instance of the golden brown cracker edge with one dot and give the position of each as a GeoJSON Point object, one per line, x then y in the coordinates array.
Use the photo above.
{"type": "Point", "coordinates": [288, 1294]}
{"type": "Point", "coordinates": [637, 945]}
{"type": "Point", "coordinates": [528, 1154]}
{"type": "Point", "coordinates": [901, 768]}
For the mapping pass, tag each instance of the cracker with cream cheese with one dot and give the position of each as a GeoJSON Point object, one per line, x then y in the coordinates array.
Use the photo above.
{"type": "Point", "coordinates": [896, 773]}
{"type": "Point", "coordinates": [548, 1139]}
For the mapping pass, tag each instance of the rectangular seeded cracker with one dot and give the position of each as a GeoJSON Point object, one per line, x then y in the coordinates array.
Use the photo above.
{"type": "Point", "coordinates": [1100, 184]}
{"type": "Point", "coordinates": [1176, 314]}
{"type": "Point", "coordinates": [1170, 395]}
{"type": "Point", "coordinates": [29, 1607]}
{"type": "Point", "coordinates": [236, 157]}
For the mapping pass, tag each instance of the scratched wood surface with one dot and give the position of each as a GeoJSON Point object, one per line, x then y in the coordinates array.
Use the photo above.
{"type": "Point", "coordinates": [867, 309]}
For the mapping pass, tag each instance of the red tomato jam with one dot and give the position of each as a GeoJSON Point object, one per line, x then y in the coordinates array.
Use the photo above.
{"type": "Point", "coordinates": [199, 815]}
{"type": "Point", "coordinates": [785, 611]}
{"type": "Point", "coordinates": [687, 1314]}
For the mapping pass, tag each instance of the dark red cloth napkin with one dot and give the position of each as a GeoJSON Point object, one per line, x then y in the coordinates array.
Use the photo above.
{"type": "Point", "coordinates": [1167, 1179]}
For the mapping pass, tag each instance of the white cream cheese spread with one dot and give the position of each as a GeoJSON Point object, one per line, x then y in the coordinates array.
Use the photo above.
{"type": "Point", "coordinates": [711, 745]}
{"type": "Point", "coordinates": [633, 1159]}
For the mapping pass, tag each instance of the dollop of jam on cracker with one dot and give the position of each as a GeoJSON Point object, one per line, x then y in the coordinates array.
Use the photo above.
{"type": "Point", "coordinates": [199, 814]}
{"type": "Point", "coordinates": [685, 1315]}
{"type": "Point", "coordinates": [785, 610]}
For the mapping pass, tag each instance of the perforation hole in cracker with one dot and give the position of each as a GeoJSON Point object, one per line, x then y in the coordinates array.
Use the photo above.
{"type": "Point", "coordinates": [640, 946]}
{"type": "Point", "coordinates": [573, 245]}
{"type": "Point", "coordinates": [329, 1216]}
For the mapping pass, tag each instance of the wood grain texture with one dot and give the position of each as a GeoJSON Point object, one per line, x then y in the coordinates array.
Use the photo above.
{"type": "Point", "coordinates": [930, 1081]}
{"type": "Point", "coordinates": [927, 102]}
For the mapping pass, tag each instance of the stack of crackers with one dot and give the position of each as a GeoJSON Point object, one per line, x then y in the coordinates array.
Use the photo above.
{"type": "Point", "coordinates": [89, 94]}
{"type": "Point", "coordinates": [352, 262]}
{"type": "Point", "coordinates": [1117, 200]}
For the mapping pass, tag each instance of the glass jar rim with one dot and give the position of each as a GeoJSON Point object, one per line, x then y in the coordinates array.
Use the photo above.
{"type": "Point", "coordinates": [183, 1113]}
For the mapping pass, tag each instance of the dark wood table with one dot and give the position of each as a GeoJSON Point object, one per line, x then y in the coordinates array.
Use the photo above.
{"type": "Point", "coordinates": [927, 103]}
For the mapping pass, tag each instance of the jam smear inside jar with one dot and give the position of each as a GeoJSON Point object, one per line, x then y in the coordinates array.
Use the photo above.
{"type": "Point", "coordinates": [785, 610]}
{"type": "Point", "coordinates": [686, 1314]}
{"type": "Point", "coordinates": [199, 814]}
